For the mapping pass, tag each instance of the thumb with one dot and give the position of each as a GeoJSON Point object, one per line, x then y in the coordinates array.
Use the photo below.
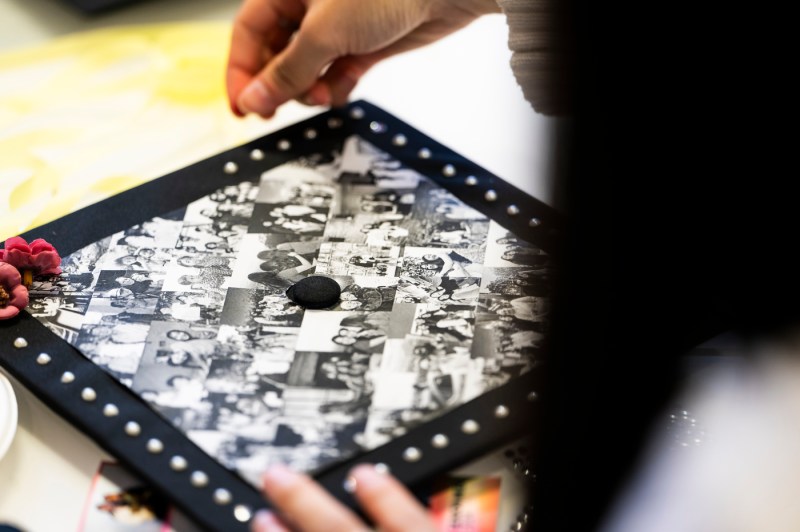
{"type": "Point", "coordinates": [289, 74]}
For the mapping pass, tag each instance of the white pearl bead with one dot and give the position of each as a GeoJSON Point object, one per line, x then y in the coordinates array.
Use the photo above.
{"type": "Point", "coordinates": [440, 441]}
{"type": "Point", "coordinates": [88, 395]}
{"type": "Point", "coordinates": [132, 429]}
{"type": "Point", "coordinates": [470, 426]}
{"type": "Point", "coordinates": [222, 496]}
{"type": "Point", "coordinates": [198, 479]}
{"type": "Point", "coordinates": [242, 513]}
{"type": "Point", "coordinates": [412, 454]}
{"type": "Point", "coordinates": [501, 411]}
{"type": "Point", "coordinates": [154, 446]}
{"type": "Point", "coordinates": [178, 463]}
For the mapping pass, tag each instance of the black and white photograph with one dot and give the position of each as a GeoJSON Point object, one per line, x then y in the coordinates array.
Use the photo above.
{"type": "Point", "coordinates": [518, 308]}
{"type": "Point", "coordinates": [259, 307]}
{"type": "Point", "coordinates": [509, 333]}
{"type": "Point", "coordinates": [383, 230]}
{"type": "Point", "coordinates": [503, 248]}
{"type": "Point", "coordinates": [369, 294]}
{"type": "Point", "coordinates": [439, 219]}
{"type": "Point", "coordinates": [340, 258]}
{"type": "Point", "coordinates": [142, 247]}
{"type": "Point", "coordinates": [203, 308]}
{"type": "Point", "coordinates": [128, 283]}
{"type": "Point", "coordinates": [62, 313]}
{"type": "Point", "coordinates": [205, 238]}
{"type": "Point", "coordinates": [160, 232]}
{"type": "Point", "coordinates": [85, 259]}
{"type": "Point", "coordinates": [190, 309]}
{"type": "Point", "coordinates": [175, 363]}
{"type": "Point", "coordinates": [226, 209]}
{"type": "Point", "coordinates": [336, 331]}
{"type": "Point", "coordinates": [198, 272]}
{"type": "Point", "coordinates": [273, 262]}
{"type": "Point", "coordinates": [296, 185]}
{"type": "Point", "coordinates": [363, 164]}
{"type": "Point", "coordinates": [117, 347]}
{"type": "Point", "coordinates": [276, 344]}
{"type": "Point", "coordinates": [288, 219]}
{"type": "Point", "coordinates": [370, 199]}
{"type": "Point", "coordinates": [329, 371]}
{"type": "Point", "coordinates": [121, 306]}
{"type": "Point", "coordinates": [61, 302]}
{"type": "Point", "coordinates": [433, 264]}
{"type": "Point", "coordinates": [444, 323]}
{"type": "Point", "coordinates": [437, 289]}
{"type": "Point", "coordinates": [517, 281]}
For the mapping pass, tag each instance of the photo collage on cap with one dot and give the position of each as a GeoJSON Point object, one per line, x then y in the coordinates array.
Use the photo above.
{"type": "Point", "coordinates": [189, 309]}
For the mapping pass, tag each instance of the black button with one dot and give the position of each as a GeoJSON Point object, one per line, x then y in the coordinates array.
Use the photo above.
{"type": "Point", "coordinates": [315, 292]}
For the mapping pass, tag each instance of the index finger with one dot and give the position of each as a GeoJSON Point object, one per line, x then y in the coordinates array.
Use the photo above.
{"type": "Point", "coordinates": [389, 503]}
{"type": "Point", "coordinates": [305, 504]}
{"type": "Point", "coordinates": [253, 28]}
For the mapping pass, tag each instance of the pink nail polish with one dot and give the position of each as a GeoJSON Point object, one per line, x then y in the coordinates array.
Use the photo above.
{"type": "Point", "coordinates": [279, 476]}
{"type": "Point", "coordinates": [366, 476]}
{"type": "Point", "coordinates": [264, 521]}
{"type": "Point", "coordinates": [256, 99]}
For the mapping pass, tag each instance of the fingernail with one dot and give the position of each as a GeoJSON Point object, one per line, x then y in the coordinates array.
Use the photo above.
{"type": "Point", "coordinates": [344, 83]}
{"type": "Point", "coordinates": [264, 521]}
{"type": "Point", "coordinates": [256, 99]}
{"type": "Point", "coordinates": [367, 476]}
{"type": "Point", "coordinates": [279, 476]}
{"type": "Point", "coordinates": [320, 94]}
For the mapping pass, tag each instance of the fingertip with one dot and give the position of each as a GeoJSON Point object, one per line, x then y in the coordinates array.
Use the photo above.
{"type": "Point", "coordinates": [256, 98]}
{"type": "Point", "coordinates": [340, 82]}
{"type": "Point", "coordinates": [385, 499]}
{"type": "Point", "coordinates": [320, 94]}
{"type": "Point", "coordinates": [235, 109]}
{"type": "Point", "coordinates": [367, 476]}
{"type": "Point", "coordinates": [266, 521]}
{"type": "Point", "coordinates": [278, 476]}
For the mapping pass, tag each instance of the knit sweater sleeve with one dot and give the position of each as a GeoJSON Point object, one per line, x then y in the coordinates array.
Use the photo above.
{"type": "Point", "coordinates": [539, 59]}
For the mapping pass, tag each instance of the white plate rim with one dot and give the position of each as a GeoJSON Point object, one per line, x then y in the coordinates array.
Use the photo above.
{"type": "Point", "coordinates": [8, 415]}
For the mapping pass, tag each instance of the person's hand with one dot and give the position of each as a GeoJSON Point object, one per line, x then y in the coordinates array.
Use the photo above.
{"type": "Point", "coordinates": [305, 505]}
{"type": "Point", "coordinates": [316, 50]}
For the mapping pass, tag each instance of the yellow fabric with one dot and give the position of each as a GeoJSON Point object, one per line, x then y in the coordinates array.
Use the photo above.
{"type": "Point", "coordinates": [90, 115]}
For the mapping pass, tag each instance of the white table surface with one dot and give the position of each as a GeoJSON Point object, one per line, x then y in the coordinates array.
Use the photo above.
{"type": "Point", "coordinates": [460, 91]}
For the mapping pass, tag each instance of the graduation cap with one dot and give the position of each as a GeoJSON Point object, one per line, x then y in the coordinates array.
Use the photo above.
{"type": "Point", "coordinates": [170, 339]}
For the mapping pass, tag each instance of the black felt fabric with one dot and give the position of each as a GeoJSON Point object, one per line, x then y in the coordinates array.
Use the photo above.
{"type": "Point", "coordinates": [315, 292]}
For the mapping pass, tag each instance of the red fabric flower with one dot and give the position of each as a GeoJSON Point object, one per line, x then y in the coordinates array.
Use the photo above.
{"type": "Point", "coordinates": [38, 256]}
{"type": "Point", "coordinates": [13, 295]}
